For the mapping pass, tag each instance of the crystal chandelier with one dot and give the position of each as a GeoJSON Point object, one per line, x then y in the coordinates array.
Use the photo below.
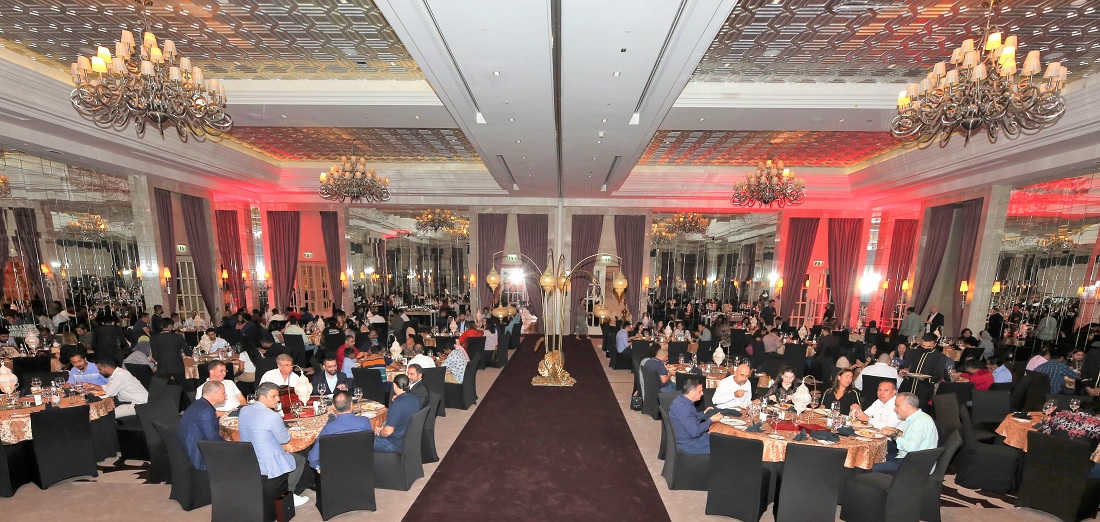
{"type": "Point", "coordinates": [982, 89]}
{"type": "Point", "coordinates": [87, 227]}
{"type": "Point", "coordinates": [687, 223]}
{"type": "Point", "coordinates": [149, 85]}
{"type": "Point", "coordinates": [435, 220]}
{"type": "Point", "coordinates": [771, 183]}
{"type": "Point", "coordinates": [351, 179]}
{"type": "Point", "coordinates": [660, 234]}
{"type": "Point", "coordinates": [460, 230]}
{"type": "Point", "coordinates": [5, 187]}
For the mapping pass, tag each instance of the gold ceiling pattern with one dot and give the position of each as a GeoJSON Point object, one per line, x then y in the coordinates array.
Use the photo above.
{"type": "Point", "coordinates": [887, 40]}
{"type": "Point", "coordinates": [230, 39]}
{"type": "Point", "coordinates": [375, 144]}
{"type": "Point", "coordinates": [795, 148]}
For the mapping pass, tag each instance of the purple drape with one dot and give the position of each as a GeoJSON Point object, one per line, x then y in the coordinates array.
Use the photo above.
{"type": "Point", "coordinates": [4, 254]}
{"type": "Point", "coordinates": [844, 236]}
{"type": "Point", "coordinates": [284, 230]}
{"type": "Point", "coordinates": [902, 245]}
{"type": "Point", "coordinates": [747, 259]}
{"type": "Point", "coordinates": [801, 233]}
{"type": "Point", "coordinates": [491, 229]}
{"type": "Point", "coordinates": [587, 230]}
{"type": "Point", "coordinates": [229, 247]}
{"type": "Point", "coordinates": [27, 241]}
{"type": "Point", "coordinates": [939, 229]}
{"type": "Point", "coordinates": [330, 231]}
{"type": "Point", "coordinates": [198, 235]}
{"type": "Point", "coordinates": [970, 215]}
{"type": "Point", "coordinates": [630, 244]}
{"type": "Point", "coordinates": [167, 229]}
{"type": "Point", "coordinates": [534, 234]}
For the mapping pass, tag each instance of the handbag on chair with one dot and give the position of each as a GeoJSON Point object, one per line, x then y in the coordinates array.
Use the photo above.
{"type": "Point", "coordinates": [636, 403]}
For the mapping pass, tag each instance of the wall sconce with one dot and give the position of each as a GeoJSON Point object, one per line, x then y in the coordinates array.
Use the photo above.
{"type": "Point", "coordinates": [964, 287]}
{"type": "Point", "coordinates": [137, 272]}
{"type": "Point", "coordinates": [343, 279]}
{"type": "Point", "coordinates": [46, 270]}
{"type": "Point", "coordinates": [473, 279]}
{"type": "Point", "coordinates": [225, 276]}
{"type": "Point", "coordinates": [996, 287]}
{"type": "Point", "coordinates": [779, 284]}
{"type": "Point", "coordinates": [166, 274]}
{"type": "Point", "coordinates": [905, 286]}
{"type": "Point", "coordinates": [645, 281]}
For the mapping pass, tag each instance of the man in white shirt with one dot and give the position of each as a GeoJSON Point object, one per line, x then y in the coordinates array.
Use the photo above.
{"type": "Point", "coordinates": [233, 396]}
{"type": "Point", "coordinates": [376, 318]}
{"type": "Point", "coordinates": [211, 343]}
{"type": "Point", "coordinates": [734, 391]}
{"type": "Point", "coordinates": [61, 318]}
{"type": "Point", "coordinates": [121, 385]}
{"type": "Point", "coordinates": [883, 413]}
{"type": "Point", "coordinates": [292, 328]}
{"type": "Point", "coordinates": [881, 368]}
{"type": "Point", "coordinates": [1038, 360]}
{"type": "Point", "coordinates": [284, 374]}
{"type": "Point", "coordinates": [423, 360]}
{"type": "Point", "coordinates": [920, 433]}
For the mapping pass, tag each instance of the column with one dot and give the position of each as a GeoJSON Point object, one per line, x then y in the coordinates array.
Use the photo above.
{"type": "Point", "coordinates": [986, 255]}
{"type": "Point", "coordinates": [145, 226]}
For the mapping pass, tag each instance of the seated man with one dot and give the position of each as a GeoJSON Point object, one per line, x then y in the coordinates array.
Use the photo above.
{"type": "Point", "coordinates": [123, 387]}
{"type": "Point", "coordinates": [347, 356]}
{"type": "Point", "coordinates": [7, 344]}
{"type": "Point", "coordinates": [260, 425]}
{"type": "Point", "coordinates": [1001, 373]}
{"type": "Point", "coordinates": [883, 413]}
{"type": "Point", "coordinates": [390, 438]}
{"type": "Point", "coordinates": [233, 396]}
{"type": "Point", "coordinates": [343, 422]}
{"type": "Point", "coordinates": [456, 364]}
{"type": "Point", "coordinates": [881, 368]}
{"type": "Point", "coordinates": [423, 360]}
{"type": "Point", "coordinates": [657, 364]}
{"type": "Point", "coordinates": [332, 379]}
{"type": "Point", "coordinates": [622, 339]}
{"type": "Point", "coordinates": [283, 374]}
{"type": "Point", "coordinates": [84, 372]}
{"type": "Point", "coordinates": [920, 433]}
{"type": "Point", "coordinates": [211, 343]}
{"type": "Point", "coordinates": [690, 426]}
{"type": "Point", "coordinates": [200, 421]}
{"type": "Point", "coordinates": [417, 388]}
{"type": "Point", "coordinates": [734, 391]}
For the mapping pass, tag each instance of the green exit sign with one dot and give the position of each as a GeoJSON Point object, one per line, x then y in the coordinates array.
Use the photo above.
{"type": "Point", "coordinates": [512, 257]}
{"type": "Point", "coordinates": [606, 259]}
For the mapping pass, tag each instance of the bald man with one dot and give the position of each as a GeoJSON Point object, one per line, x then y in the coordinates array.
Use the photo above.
{"type": "Point", "coordinates": [735, 391]}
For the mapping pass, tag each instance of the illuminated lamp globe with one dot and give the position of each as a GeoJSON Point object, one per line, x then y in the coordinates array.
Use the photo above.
{"type": "Point", "coordinates": [547, 281]}
{"type": "Point", "coordinates": [493, 279]}
{"type": "Point", "coordinates": [619, 284]}
{"type": "Point", "coordinates": [500, 312]}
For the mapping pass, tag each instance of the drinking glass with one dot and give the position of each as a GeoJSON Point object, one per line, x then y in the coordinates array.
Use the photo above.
{"type": "Point", "coordinates": [36, 385]}
{"type": "Point", "coordinates": [358, 395]}
{"type": "Point", "coordinates": [251, 398]}
{"type": "Point", "coordinates": [1049, 407]}
{"type": "Point", "coordinates": [322, 390]}
{"type": "Point", "coordinates": [681, 358]}
{"type": "Point", "coordinates": [1075, 404]}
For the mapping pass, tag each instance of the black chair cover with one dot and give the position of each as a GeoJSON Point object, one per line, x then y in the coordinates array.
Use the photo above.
{"type": "Point", "coordinates": [370, 381]}
{"type": "Point", "coordinates": [1054, 477]}
{"type": "Point", "coordinates": [651, 387]}
{"type": "Point", "coordinates": [737, 484]}
{"type": "Point", "coordinates": [869, 394]}
{"type": "Point", "coordinates": [15, 467]}
{"type": "Point", "coordinates": [985, 466]}
{"type": "Point", "coordinates": [990, 407]}
{"type": "Point", "coordinates": [105, 437]}
{"type": "Point", "coordinates": [705, 352]}
{"type": "Point", "coordinates": [621, 360]}
{"type": "Point", "coordinates": [963, 391]}
{"type": "Point", "coordinates": [434, 379]}
{"type": "Point", "coordinates": [346, 481]}
{"type": "Point", "coordinates": [463, 395]}
{"type": "Point", "coordinates": [190, 486]}
{"type": "Point", "coordinates": [676, 349]}
{"type": "Point", "coordinates": [875, 497]}
{"type": "Point", "coordinates": [500, 357]}
{"type": "Point", "coordinates": [141, 372]}
{"type": "Point", "coordinates": [476, 346]}
{"type": "Point", "coordinates": [400, 470]}
{"type": "Point", "coordinates": [514, 340]}
{"type": "Point", "coordinates": [46, 377]}
{"type": "Point", "coordinates": [237, 490]}
{"type": "Point", "coordinates": [682, 470]}
{"type": "Point", "coordinates": [23, 366]}
{"type": "Point", "coordinates": [794, 355]}
{"type": "Point", "coordinates": [930, 505]}
{"type": "Point", "coordinates": [947, 415]}
{"type": "Point", "coordinates": [665, 401]}
{"type": "Point", "coordinates": [428, 452]}
{"type": "Point", "coordinates": [296, 348]}
{"type": "Point", "coordinates": [167, 413]}
{"type": "Point", "coordinates": [809, 484]}
{"type": "Point", "coordinates": [62, 444]}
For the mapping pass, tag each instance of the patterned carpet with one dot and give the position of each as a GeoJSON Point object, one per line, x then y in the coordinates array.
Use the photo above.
{"type": "Point", "coordinates": [956, 496]}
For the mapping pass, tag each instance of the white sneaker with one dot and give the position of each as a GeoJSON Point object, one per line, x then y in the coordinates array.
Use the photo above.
{"type": "Point", "coordinates": [300, 500]}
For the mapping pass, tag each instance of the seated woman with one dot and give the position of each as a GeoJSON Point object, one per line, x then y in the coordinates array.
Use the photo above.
{"type": "Point", "coordinates": [784, 387]}
{"type": "Point", "coordinates": [842, 393]}
{"type": "Point", "coordinates": [898, 355]}
{"type": "Point", "coordinates": [967, 339]}
{"type": "Point", "coordinates": [140, 355]}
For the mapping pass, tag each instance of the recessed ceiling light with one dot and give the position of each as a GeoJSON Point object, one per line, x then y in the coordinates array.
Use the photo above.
{"type": "Point", "coordinates": [599, 141]}
{"type": "Point", "coordinates": [496, 73]}
{"type": "Point", "coordinates": [616, 73]}
{"type": "Point", "coordinates": [593, 158]}
{"type": "Point", "coordinates": [417, 117]}
{"type": "Point", "coordinates": [511, 119]}
{"type": "Point", "coordinates": [701, 119]}
{"type": "Point", "coordinates": [604, 120]}
{"type": "Point", "coordinates": [841, 120]}
{"type": "Point", "coordinates": [518, 141]}
{"type": "Point", "coordinates": [283, 115]}
{"type": "Point", "coordinates": [523, 157]}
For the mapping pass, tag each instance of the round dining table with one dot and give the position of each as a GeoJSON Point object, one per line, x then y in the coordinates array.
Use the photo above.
{"type": "Point", "coordinates": [1015, 431]}
{"type": "Point", "coordinates": [305, 430]}
{"type": "Point", "coordinates": [191, 365]}
{"type": "Point", "coordinates": [15, 423]}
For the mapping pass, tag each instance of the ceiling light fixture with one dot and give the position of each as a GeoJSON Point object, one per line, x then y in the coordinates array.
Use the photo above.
{"type": "Point", "coordinates": [982, 90]}
{"type": "Point", "coordinates": [88, 227]}
{"type": "Point", "coordinates": [616, 74]}
{"type": "Point", "coordinates": [770, 183]}
{"type": "Point", "coordinates": [351, 179]}
{"type": "Point", "coordinates": [148, 85]}
{"type": "Point", "coordinates": [5, 187]}
{"type": "Point", "coordinates": [434, 220]}
{"type": "Point", "coordinates": [687, 223]}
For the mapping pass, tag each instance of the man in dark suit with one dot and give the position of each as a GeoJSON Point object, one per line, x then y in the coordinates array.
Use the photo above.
{"type": "Point", "coordinates": [168, 349]}
{"type": "Point", "coordinates": [934, 321]}
{"type": "Point", "coordinates": [924, 360]}
{"type": "Point", "coordinates": [108, 339]}
{"type": "Point", "coordinates": [332, 378]}
{"type": "Point", "coordinates": [158, 318]}
{"type": "Point", "coordinates": [416, 387]}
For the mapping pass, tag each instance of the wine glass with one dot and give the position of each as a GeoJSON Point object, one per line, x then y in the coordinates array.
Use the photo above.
{"type": "Point", "coordinates": [681, 358]}
{"type": "Point", "coordinates": [296, 409]}
{"type": "Point", "coordinates": [358, 395]}
{"type": "Point", "coordinates": [1049, 407]}
{"type": "Point", "coordinates": [1075, 404]}
{"type": "Point", "coordinates": [322, 389]}
{"type": "Point", "coordinates": [36, 385]}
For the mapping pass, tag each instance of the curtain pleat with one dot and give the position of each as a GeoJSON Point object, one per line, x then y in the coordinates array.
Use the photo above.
{"type": "Point", "coordinates": [630, 244]}
{"type": "Point", "coordinates": [198, 235]}
{"type": "Point", "coordinates": [587, 230]}
{"type": "Point", "coordinates": [970, 215]}
{"type": "Point", "coordinates": [491, 229]}
{"type": "Point", "coordinates": [844, 235]}
{"type": "Point", "coordinates": [534, 230]}
{"type": "Point", "coordinates": [939, 230]}
{"type": "Point", "coordinates": [284, 229]}
{"type": "Point", "coordinates": [167, 228]}
{"type": "Point", "coordinates": [229, 246]}
{"type": "Point", "coordinates": [801, 233]}
{"type": "Point", "coordinates": [903, 241]}
{"type": "Point", "coordinates": [330, 232]}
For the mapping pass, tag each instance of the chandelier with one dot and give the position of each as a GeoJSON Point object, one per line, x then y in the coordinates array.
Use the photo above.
{"type": "Point", "coordinates": [148, 85]}
{"type": "Point", "coordinates": [5, 187]}
{"type": "Point", "coordinates": [771, 183]}
{"type": "Point", "coordinates": [87, 227]}
{"type": "Point", "coordinates": [687, 223]}
{"type": "Point", "coordinates": [351, 179]}
{"type": "Point", "coordinates": [982, 89]}
{"type": "Point", "coordinates": [461, 229]}
{"type": "Point", "coordinates": [660, 233]}
{"type": "Point", "coordinates": [435, 220]}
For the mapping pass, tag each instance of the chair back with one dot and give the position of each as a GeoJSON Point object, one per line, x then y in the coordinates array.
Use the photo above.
{"type": "Point", "coordinates": [428, 451]}
{"type": "Point", "coordinates": [736, 477]}
{"type": "Point", "coordinates": [236, 486]}
{"type": "Point", "coordinates": [681, 377]}
{"type": "Point", "coordinates": [794, 355]}
{"type": "Point", "coordinates": [812, 478]}
{"type": "Point", "coordinates": [514, 340]}
{"type": "Point", "coordinates": [143, 373]}
{"type": "Point", "coordinates": [434, 379]}
{"type": "Point", "coordinates": [370, 381]}
{"type": "Point", "coordinates": [869, 394]}
{"type": "Point", "coordinates": [947, 414]}
{"type": "Point", "coordinates": [189, 493]}
{"type": "Point", "coordinates": [166, 412]}
{"type": "Point", "coordinates": [963, 391]}
{"type": "Point", "coordinates": [990, 406]}
{"type": "Point", "coordinates": [930, 505]}
{"type": "Point", "coordinates": [346, 482]}
{"type": "Point", "coordinates": [63, 445]}
{"type": "Point", "coordinates": [651, 387]}
{"type": "Point", "coordinates": [1054, 475]}
{"type": "Point", "coordinates": [1038, 386]}
{"type": "Point", "coordinates": [296, 348]}
{"type": "Point", "coordinates": [475, 346]}
{"type": "Point", "coordinates": [160, 390]}
{"type": "Point", "coordinates": [264, 365]}
{"type": "Point", "coordinates": [704, 351]}
{"type": "Point", "coordinates": [46, 377]}
{"type": "Point", "coordinates": [676, 349]}
{"type": "Point", "coordinates": [901, 503]}
{"type": "Point", "coordinates": [22, 366]}
{"type": "Point", "coordinates": [971, 353]}
{"type": "Point", "coordinates": [411, 459]}
{"type": "Point", "coordinates": [469, 379]}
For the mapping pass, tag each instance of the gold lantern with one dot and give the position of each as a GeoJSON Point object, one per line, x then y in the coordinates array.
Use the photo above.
{"type": "Point", "coordinates": [493, 278]}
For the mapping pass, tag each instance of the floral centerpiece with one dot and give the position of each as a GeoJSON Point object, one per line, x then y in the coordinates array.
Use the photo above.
{"type": "Point", "coordinates": [1079, 426]}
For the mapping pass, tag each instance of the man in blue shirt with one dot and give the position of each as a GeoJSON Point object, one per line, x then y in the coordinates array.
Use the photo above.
{"type": "Point", "coordinates": [84, 372]}
{"type": "Point", "coordinates": [1057, 371]}
{"type": "Point", "coordinates": [390, 438]}
{"type": "Point", "coordinates": [1000, 372]}
{"type": "Point", "coordinates": [691, 427]}
{"type": "Point", "coordinates": [343, 422]}
{"type": "Point", "coordinates": [200, 422]}
{"type": "Point", "coordinates": [622, 339]}
{"type": "Point", "coordinates": [657, 364]}
{"type": "Point", "coordinates": [260, 425]}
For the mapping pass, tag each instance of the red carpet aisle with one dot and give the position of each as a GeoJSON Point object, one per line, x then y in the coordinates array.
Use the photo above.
{"type": "Point", "coordinates": [540, 453]}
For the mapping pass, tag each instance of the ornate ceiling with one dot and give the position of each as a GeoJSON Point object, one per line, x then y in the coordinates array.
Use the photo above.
{"type": "Point", "coordinates": [795, 148]}
{"type": "Point", "coordinates": [375, 144]}
{"type": "Point", "coordinates": [230, 39]}
{"type": "Point", "coordinates": [887, 40]}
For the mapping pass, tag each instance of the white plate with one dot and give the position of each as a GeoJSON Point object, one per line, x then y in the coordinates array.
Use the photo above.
{"type": "Point", "coordinates": [1017, 420]}
{"type": "Point", "coordinates": [733, 422]}
{"type": "Point", "coordinates": [864, 439]}
{"type": "Point", "coordinates": [777, 437]}
{"type": "Point", "coordinates": [295, 428]}
{"type": "Point", "coordinates": [825, 442]}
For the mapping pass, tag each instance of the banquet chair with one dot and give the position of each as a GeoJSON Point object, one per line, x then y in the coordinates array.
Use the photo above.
{"type": "Point", "coordinates": [14, 467]}
{"type": "Point", "coordinates": [143, 373]}
{"type": "Point", "coordinates": [514, 340]}
{"type": "Point", "coordinates": [500, 356]}
{"type": "Point", "coordinates": [400, 470]}
{"type": "Point", "coordinates": [190, 486]}
{"type": "Point", "coordinates": [809, 483]}
{"type": "Point", "coordinates": [165, 412]}
{"type": "Point", "coordinates": [435, 379]}
{"type": "Point", "coordinates": [676, 349]}
{"type": "Point", "coordinates": [22, 367]}
{"type": "Point", "coordinates": [347, 479]}
{"type": "Point", "coordinates": [989, 407]}
{"type": "Point", "coordinates": [62, 444]}
{"type": "Point", "coordinates": [296, 348]}
{"type": "Point", "coordinates": [947, 415]}
{"type": "Point", "coordinates": [370, 381]}
{"type": "Point", "coordinates": [737, 482]}
{"type": "Point", "coordinates": [476, 346]}
{"type": "Point", "coordinates": [794, 356]}
{"type": "Point", "coordinates": [651, 387]}
{"type": "Point", "coordinates": [874, 497]}
{"type": "Point", "coordinates": [463, 395]}
{"type": "Point", "coordinates": [621, 360]}
{"type": "Point", "coordinates": [665, 401]}
{"type": "Point", "coordinates": [869, 394]}
{"type": "Point", "coordinates": [705, 351]}
{"type": "Point", "coordinates": [105, 437]}
{"type": "Point", "coordinates": [237, 489]}
{"type": "Point", "coordinates": [1054, 477]}
{"type": "Point", "coordinates": [930, 503]}
{"type": "Point", "coordinates": [428, 451]}
{"type": "Point", "coordinates": [963, 391]}
{"type": "Point", "coordinates": [985, 466]}
{"type": "Point", "coordinates": [682, 470]}
{"type": "Point", "coordinates": [1029, 392]}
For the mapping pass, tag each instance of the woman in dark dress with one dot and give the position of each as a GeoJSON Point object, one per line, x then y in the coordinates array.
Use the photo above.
{"type": "Point", "coordinates": [784, 387]}
{"type": "Point", "coordinates": [841, 392]}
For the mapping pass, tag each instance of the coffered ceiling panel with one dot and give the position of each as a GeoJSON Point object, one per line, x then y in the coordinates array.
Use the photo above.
{"type": "Point", "coordinates": [888, 40]}
{"type": "Point", "coordinates": [375, 144]}
{"type": "Point", "coordinates": [230, 39]}
{"type": "Point", "coordinates": [795, 148]}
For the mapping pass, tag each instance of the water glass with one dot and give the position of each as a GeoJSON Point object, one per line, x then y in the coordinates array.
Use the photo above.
{"type": "Point", "coordinates": [322, 390]}
{"type": "Point", "coordinates": [1049, 407]}
{"type": "Point", "coordinates": [358, 395]}
{"type": "Point", "coordinates": [1075, 404]}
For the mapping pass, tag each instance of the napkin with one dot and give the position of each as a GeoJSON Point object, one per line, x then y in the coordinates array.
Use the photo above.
{"type": "Point", "coordinates": [91, 398]}
{"type": "Point", "coordinates": [1021, 415]}
{"type": "Point", "coordinates": [825, 435]}
{"type": "Point", "coordinates": [755, 428]}
{"type": "Point", "coordinates": [791, 408]}
{"type": "Point", "coordinates": [801, 435]}
{"type": "Point", "coordinates": [847, 431]}
{"type": "Point", "coordinates": [729, 412]}
{"type": "Point", "coordinates": [234, 414]}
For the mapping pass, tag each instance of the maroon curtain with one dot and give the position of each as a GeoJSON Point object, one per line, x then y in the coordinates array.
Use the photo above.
{"type": "Point", "coordinates": [167, 229]}
{"type": "Point", "coordinates": [939, 229]}
{"type": "Point", "coordinates": [229, 247]}
{"type": "Point", "coordinates": [630, 244]}
{"type": "Point", "coordinates": [534, 234]}
{"type": "Point", "coordinates": [491, 229]}
{"type": "Point", "coordinates": [844, 235]}
{"type": "Point", "coordinates": [970, 216]}
{"type": "Point", "coordinates": [5, 256]}
{"type": "Point", "coordinates": [903, 241]}
{"type": "Point", "coordinates": [587, 230]}
{"type": "Point", "coordinates": [801, 233]}
{"type": "Point", "coordinates": [330, 231]}
{"type": "Point", "coordinates": [195, 223]}
{"type": "Point", "coordinates": [747, 259]}
{"type": "Point", "coordinates": [27, 242]}
{"type": "Point", "coordinates": [284, 229]}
